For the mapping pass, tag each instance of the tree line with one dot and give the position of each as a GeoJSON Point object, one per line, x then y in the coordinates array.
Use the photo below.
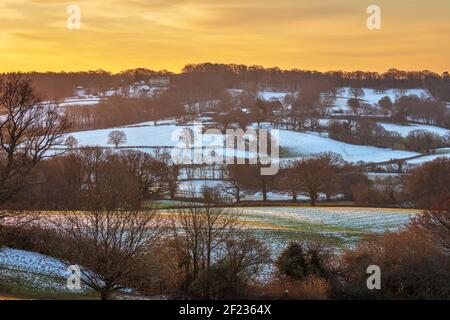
{"type": "Point", "coordinates": [213, 75]}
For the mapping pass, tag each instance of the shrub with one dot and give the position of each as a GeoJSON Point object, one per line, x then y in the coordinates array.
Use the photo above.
{"type": "Point", "coordinates": [311, 288]}
{"type": "Point", "coordinates": [301, 260]}
{"type": "Point", "coordinates": [412, 267]}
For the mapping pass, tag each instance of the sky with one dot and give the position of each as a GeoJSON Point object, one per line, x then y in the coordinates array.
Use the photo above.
{"type": "Point", "coordinates": [167, 34]}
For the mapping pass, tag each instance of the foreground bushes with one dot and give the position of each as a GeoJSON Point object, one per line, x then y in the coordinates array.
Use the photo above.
{"type": "Point", "coordinates": [412, 267]}
{"type": "Point", "coordinates": [202, 263]}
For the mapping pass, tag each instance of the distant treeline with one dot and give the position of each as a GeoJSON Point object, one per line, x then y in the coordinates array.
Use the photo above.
{"type": "Point", "coordinates": [216, 77]}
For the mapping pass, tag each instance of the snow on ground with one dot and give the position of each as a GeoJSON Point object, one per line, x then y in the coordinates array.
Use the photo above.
{"type": "Point", "coordinates": [77, 101]}
{"type": "Point", "coordinates": [284, 196]}
{"type": "Point", "coordinates": [35, 271]}
{"type": "Point", "coordinates": [32, 262]}
{"type": "Point", "coordinates": [163, 122]}
{"type": "Point", "coordinates": [270, 95]}
{"type": "Point", "coordinates": [197, 186]}
{"type": "Point", "coordinates": [136, 136]}
{"type": "Point", "coordinates": [265, 95]}
{"type": "Point", "coordinates": [421, 160]}
{"type": "Point", "coordinates": [304, 144]}
{"type": "Point", "coordinates": [404, 130]}
{"type": "Point", "coordinates": [372, 96]}
{"type": "Point", "coordinates": [359, 219]}
{"type": "Point", "coordinates": [298, 143]}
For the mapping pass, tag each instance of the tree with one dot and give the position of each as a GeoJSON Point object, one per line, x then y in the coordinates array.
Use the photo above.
{"type": "Point", "coordinates": [108, 246]}
{"type": "Point", "coordinates": [350, 179]}
{"type": "Point", "coordinates": [240, 264]}
{"type": "Point", "coordinates": [436, 221]}
{"type": "Point", "coordinates": [412, 266]}
{"type": "Point", "coordinates": [289, 181]}
{"type": "Point", "coordinates": [423, 141]}
{"type": "Point", "coordinates": [386, 104]}
{"type": "Point", "coordinates": [117, 138]}
{"type": "Point", "coordinates": [301, 260]}
{"type": "Point", "coordinates": [332, 163]}
{"type": "Point", "coordinates": [199, 231]}
{"type": "Point", "coordinates": [312, 176]}
{"type": "Point", "coordinates": [151, 171]}
{"type": "Point", "coordinates": [429, 184]}
{"type": "Point", "coordinates": [238, 178]}
{"type": "Point", "coordinates": [354, 104]}
{"type": "Point", "coordinates": [207, 239]}
{"type": "Point", "coordinates": [94, 178]}
{"type": "Point", "coordinates": [71, 143]}
{"type": "Point", "coordinates": [28, 131]}
{"type": "Point", "coordinates": [357, 93]}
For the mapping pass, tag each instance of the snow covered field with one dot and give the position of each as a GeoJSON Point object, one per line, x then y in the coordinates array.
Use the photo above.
{"type": "Point", "coordinates": [32, 262]}
{"type": "Point", "coordinates": [87, 101]}
{"type": "Point", "coordinates": [136, 136]}
{"type": "Point", "coordinates": [298, 143]}
{"type": "Point", "coordinates": [310, 143]}
{"type": "Point", "coordinates": [344, 226]}
{"type": "Point", "coordinates": [372, 96]}
{"type": "Point", "coordinates": [269, 95]}
{"type": "Point", "coordinates": [76, 101]}
{"type": "Point", "coordinates": [404, 130]}
{"type": "Point", "coordinates": [35, 273]}
{"type": "Point", "coordinates": [421, 160]}
{"type": "Point", "coordinates": [362, 219]}
{"type": "Point", "coordinates": [265, 95]}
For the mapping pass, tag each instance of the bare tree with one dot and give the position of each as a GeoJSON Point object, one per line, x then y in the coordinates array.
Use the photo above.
{"type": "Point", "coordinates": [357, 93]}
{"type": "Point", "coordinates": [28, 131]}
{"type": "Point", "coordinates": [213, 245]}
{"type": "Point", "coordinates": [312, 175]}
{"type": "Point", "coordinates": [199, 231]}
{"type": "Point", "coordinates": [429, 183]}
{"type": "Point", "coordinates": [71, 143]}
{"type": "Point", "coordinates": [108, 246]}
{"type": "Point", "coordinates": [355, 105]}
{"type": "Point", "coordinates": [117, 138]}
{"type": "Point", "coordinates": [238, 179]}
{"type": "Point", "coordinates": [437, 222]}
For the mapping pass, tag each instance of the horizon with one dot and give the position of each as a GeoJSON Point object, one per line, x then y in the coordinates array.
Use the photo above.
{"type": "Point", "coordinates": [121, 35]}
{"type": "Point", "coordinates": [266, 67]}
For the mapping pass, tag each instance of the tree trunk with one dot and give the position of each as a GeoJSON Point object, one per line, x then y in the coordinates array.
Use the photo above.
{"type": "Point", "coordinates": [264, 190]}
{"type": "Point", "coordinates": [105, 294]}
{"type": "Point", "coordinates": [313, 200]}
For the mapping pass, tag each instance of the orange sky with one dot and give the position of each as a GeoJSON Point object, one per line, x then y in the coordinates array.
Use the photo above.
{"type": "Point", "coordinates": [167, 34]}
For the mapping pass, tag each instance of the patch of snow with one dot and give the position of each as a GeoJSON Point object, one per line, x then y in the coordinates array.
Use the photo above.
{"type": "Point", "coordinates": [306, 144]}
{"type": "Point", "coordinates": [32, 262]}
{"type": "Point", "coordinates": [270, 95]}
{"type": "Point", "coordinates": [404, 130]}
{"type": "Point", "coordinates": [422, 160]}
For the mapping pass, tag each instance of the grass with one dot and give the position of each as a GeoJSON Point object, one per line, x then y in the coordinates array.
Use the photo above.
{"type": "Point", "coordinates": [19, 284]}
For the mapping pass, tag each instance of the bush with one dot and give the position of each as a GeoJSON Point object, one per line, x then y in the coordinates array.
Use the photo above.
{"type": "Point", "coordinates": [412, 267]}
{"type": "Point", "coordinates": [311, 288]}
{"type": "Point", "coordinates": [301, 260]}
